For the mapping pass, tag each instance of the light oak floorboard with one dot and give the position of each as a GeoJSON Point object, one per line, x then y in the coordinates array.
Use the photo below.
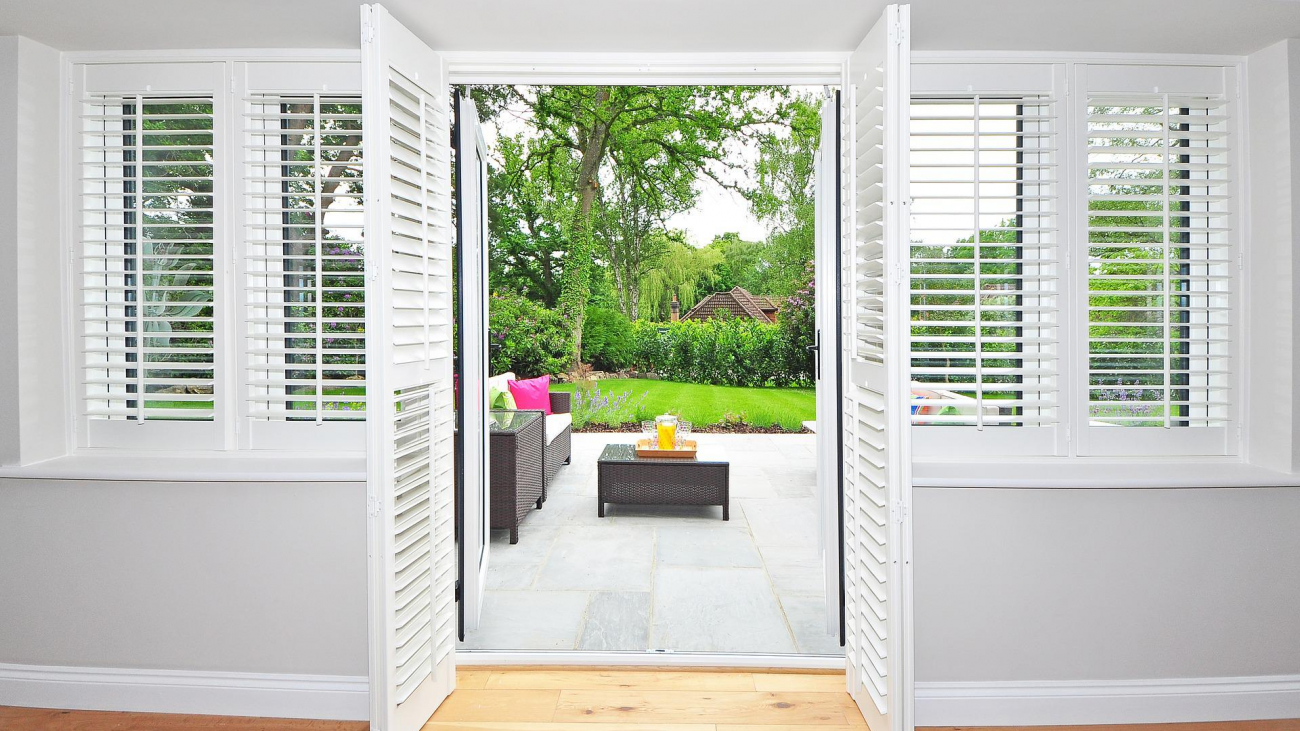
{"type": "Point", "coordinates": [800, 682]}
{"type": "Point", "coordinates": [494, 726]}
{"type": "Point", "coordinates": [519, 706]}
{"type": "Point", "coordinates": [620, 679]}
{"type": "Point", "coordinates": [682, 706]}
{"type": "Point", "coordinates": [472, 678]}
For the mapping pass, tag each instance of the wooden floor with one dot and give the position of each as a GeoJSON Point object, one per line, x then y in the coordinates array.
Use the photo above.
{"type": "Point", "coordinates": [537, 699]}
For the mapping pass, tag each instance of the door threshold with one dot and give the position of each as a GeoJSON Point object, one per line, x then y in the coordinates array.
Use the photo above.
{"type": "Point", "coordinates": [658, 659]}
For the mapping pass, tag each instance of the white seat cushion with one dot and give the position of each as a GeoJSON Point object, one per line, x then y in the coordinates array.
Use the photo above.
{"type": "Point", "coordinates": [556, 423]}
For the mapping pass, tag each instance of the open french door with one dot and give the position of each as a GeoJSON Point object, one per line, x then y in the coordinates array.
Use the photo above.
{"type": "Point", "coordinates": [472, 294]}
{"type": "Point", "coordinates": [877, 450]}
{"type": "Point", "coordinates": [829, 364]}
{"type": "Point", "coordinates": [410, 420]}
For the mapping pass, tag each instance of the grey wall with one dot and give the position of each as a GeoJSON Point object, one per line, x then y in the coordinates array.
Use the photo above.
{"type": "Point", "coordinates": [242, 577]}
{"type": "Point", "coordinates": [1061, 584]}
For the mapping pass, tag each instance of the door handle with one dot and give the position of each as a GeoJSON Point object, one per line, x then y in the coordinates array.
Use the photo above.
{"type": "Point", "coordinates": [816, 349]}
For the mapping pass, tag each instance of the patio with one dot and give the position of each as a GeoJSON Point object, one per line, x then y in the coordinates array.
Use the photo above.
{"type": "Point", "coordinates": [667, 578]}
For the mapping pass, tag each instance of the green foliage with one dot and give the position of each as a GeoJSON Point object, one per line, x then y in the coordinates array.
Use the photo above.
{"type": "Point", "coordinates": [530, 216]}
{"type": "Point", "coordinates": [685, 271]}
{"type": "Point", "coordinates": [527, 338]}
{"type": "Point", "coordinates": [723, 351]}
{"type": "Point", "coordinates": [607, 341]}
{"type": "Point", "coordinates": [797, 319]}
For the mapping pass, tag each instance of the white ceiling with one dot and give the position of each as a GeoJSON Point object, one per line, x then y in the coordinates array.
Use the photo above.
{"type": "Point", "coordinates": [1158, 26]}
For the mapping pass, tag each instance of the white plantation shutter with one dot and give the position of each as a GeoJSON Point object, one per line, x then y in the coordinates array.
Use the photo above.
{"type": "Point", "coordinates": [409, 371]}
{"type": "Point", "coordinates": [877, 470]}
{"type": "Point", "coordinates": [1161, 254]}
{"type": "Point", "coordinates": [148, 294]}
{"type": "Point", "coordinates": [304, 254]}
{"type": "Point", "coordinates": [984, 262]}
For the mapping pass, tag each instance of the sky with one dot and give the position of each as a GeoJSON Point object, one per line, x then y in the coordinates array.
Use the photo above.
{"type": "Point", "coordinates": [717, 210]}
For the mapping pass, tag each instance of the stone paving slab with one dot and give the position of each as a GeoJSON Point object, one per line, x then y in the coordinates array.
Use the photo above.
{"type": "Point", "coordinates": [667, 577]}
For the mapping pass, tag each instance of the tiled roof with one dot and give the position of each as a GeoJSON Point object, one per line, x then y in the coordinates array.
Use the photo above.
{"type": "Point", "coordinates": [738, 301]}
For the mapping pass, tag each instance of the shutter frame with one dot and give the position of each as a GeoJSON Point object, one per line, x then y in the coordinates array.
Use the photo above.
{"type": "Point", "coordinates": [313, 404]}
{"type": "Point", "coordinates": [1212, 430]}
{"type": "Point", "coordinates": [110, 428]}
{"type": "Point", "coordinates": [1006, 370]}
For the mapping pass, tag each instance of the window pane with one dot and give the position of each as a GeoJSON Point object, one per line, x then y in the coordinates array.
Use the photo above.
{"type": "Point", "coordinates": [984, 262]}
{"type": "Point", "coordinates": [305, 259]}
{"type": "Point", "coordinates": [1158, 262]}
{"type": "Point", "coordinates": [147, 258]}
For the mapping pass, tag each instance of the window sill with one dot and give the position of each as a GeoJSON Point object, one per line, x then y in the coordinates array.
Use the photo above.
{"type": "Point", "coordinates": [113, 465]}
{"type": "Point", "coordinates": [1098, 474]}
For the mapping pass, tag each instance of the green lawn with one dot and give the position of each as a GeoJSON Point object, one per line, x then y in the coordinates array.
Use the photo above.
{"type": "Point", "coordinates": [702, 405]}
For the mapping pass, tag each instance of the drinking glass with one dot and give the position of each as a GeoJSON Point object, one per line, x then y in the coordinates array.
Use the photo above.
{"type": "Point", "coordinates": [683, 433]}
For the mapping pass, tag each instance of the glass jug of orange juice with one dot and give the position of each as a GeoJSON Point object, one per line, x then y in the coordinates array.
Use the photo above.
{"type": "Point", "coordinates": [666, 428]}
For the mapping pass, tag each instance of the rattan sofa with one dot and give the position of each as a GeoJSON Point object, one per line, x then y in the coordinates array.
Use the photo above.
{"type": "Point", "coordinates": [524, 461]}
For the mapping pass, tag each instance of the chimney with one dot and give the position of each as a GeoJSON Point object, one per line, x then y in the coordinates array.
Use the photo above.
{"type": "Point", "coordinates": [675, 307]}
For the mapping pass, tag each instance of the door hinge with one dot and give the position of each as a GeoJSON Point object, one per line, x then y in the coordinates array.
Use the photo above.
{"type": "Point", "coordinates": [897, 33]}
{"type": "Point", "coordinates": [898, 511]}
{"type": "Point", "coordinates": [368, 32]}
{"type": "Point", "coordinates": [373, 506]}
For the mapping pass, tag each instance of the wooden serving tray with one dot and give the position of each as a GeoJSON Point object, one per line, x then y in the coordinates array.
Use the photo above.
{"type": "Point", "coordinates": [650, 448]}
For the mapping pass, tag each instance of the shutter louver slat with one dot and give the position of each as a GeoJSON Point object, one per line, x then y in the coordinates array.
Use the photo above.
{"type": "Point", "coordinates": [147, 292]}
{"type": "Point", "coordinates": [1160, 227]}
{"type": "Point", "coordinates": [984, 261]}
{"type": "Point", "coordinates": [304, 258]}
{"type": "Point", "coordinates": [875, 471]}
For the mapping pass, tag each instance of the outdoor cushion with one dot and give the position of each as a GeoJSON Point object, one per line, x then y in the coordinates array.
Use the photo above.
{"type": "Point", "coordinates": [532, 394]}
{"type": "Point", "coordinates": [556, 423]}
{"type": "Point", "coordinates": [499, 396]}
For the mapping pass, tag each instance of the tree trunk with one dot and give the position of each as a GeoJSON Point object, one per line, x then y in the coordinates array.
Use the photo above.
{"type": "Point", "coordinates": [577, 274]}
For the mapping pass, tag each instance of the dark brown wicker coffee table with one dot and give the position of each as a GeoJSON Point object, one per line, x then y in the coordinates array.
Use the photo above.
{"type": "Point", "coordinates": [625, 479]}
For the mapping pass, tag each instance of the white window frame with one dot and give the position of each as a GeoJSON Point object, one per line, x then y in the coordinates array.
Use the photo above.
{"type": "Point", "coordinates": [1103, 78]}
{"type": "Point", "coordinates": [1075, 441]}
{"type": "Point", "coordinates": [253, 78]}
{"type": "Point", "coordinates": [961, 80]}
{"type": "Point", "coordinates": [226, 76]}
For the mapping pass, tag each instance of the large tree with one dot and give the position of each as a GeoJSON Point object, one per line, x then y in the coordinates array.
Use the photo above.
{"type": "Point", "coordinates": [662, 140]}
{"type": "Point", "coordinates": [529, 216]}
{"type": "Point", "coordinates": [784, 196]}
{"type": "Point", "coordinates": [631, 233]}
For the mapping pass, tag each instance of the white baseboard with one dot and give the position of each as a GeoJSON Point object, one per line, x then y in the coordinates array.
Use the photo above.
{"type": "Point", "coordinates": [186, 691]}
{"type": "Point", "coordinates": [1029, 703]}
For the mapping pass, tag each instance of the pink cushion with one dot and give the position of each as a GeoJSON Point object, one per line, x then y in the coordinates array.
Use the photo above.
{"type": "Point", "coordinates": [532, 394]}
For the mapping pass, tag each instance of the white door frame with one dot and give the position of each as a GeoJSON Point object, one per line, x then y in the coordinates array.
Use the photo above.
{"type": "Point", "coordinates": [473, 510]}
{"type": "Point", "coordinates": [811, 69]}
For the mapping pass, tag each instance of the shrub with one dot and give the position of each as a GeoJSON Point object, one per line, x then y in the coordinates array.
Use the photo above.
{"type": "Point", "coordinates": [726, 352]}
{"type": "Point", "coordinates": [798, 321]}
{"type": "Point", "coordinates": [527, 338]}
{"type": "Point", "coordinates": [590, 405]}
{"type": "Point", "coordinates": [607, 341]}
